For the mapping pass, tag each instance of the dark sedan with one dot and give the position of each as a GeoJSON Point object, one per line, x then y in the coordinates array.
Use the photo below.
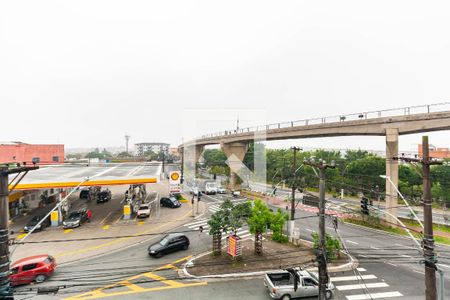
{"type": "Point", "coordinates": [171, 202]}
{"type": "Point", "coordinates": [33, 222]}
{"type": "Point", "coordinates": [170, 243]}
{"type": "Point", "coordinates": [104, 196]}
{"type": "Point", "coordinates": [75, 219]}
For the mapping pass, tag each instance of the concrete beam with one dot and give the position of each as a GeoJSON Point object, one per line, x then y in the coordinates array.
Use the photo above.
{"type": "Point", "coordinates": [407, 124]}
{"type": "Point", "coordinates": [191, 157]}
{"type": "Point", "coordinates": [235, 153]}
{"type": "Point", "coordinates": [392, 173]}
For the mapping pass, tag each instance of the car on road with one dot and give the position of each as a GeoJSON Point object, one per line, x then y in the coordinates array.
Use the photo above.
{"type": "Point", "coordinates": [104, 196]}
{"type": "Point", "coordinates": [75, 219]}
{"type": "Point", "coordinates": [171, 202]}
{"type": "Point", "coordinates": [280, 284]}
{"type": "Point", "coordinates": [143, 211]}
{"type": "Point", "coordinates": [236, 194]}
{"type": "Point", "coordinates": [34, 268]}
{"type": "Point", "coordinates": [170, 243]}
{"type": "Point", "coordinates": [221, 190]}
{"type": "Point", "coordinates": [34, 221]}
{"type": "Point", "coordinates": [84, 193]}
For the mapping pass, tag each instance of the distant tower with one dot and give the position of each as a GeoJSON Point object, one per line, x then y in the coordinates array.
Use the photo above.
{"type": "Point", "coordinates": [237, 124]}
{"type": "Point", "coordinates": [127, 139]}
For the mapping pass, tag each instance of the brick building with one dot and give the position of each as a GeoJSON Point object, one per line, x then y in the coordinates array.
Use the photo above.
{"type": "Point", "coordinates": [436, 152]}
{"type": "Point", "coordinates": [18, 152]}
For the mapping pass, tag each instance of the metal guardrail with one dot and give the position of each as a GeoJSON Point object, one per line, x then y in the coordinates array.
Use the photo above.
{"type": "Point", "coordinates": [395, 112]}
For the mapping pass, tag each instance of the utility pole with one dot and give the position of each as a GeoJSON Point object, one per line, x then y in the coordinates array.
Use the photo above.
{"type": "Point", "coordinates": [322, 256]}
{"type": "Point", "coordinates": [5, 171]}
{"type": "Point", "coordinates": [428, 239]}
{"type": "Point", "coordinates": [182, 165]}
{"type": "Point", "coordinates": [294, 181]}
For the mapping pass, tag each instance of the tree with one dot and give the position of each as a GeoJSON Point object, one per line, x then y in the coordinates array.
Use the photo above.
{"type": "Point", "coordinates": [258, 222]}
{"type": "Point", "coordinates": [124, 154]}
{"type": "Point", "coordinates": [216, 227]}
{"type": "Point", "coordinates": [277, 222]}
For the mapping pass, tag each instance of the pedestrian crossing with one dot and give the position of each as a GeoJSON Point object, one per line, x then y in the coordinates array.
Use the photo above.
{"type": "Point", "coordinates": [363, 286]}
{"type": "Point", "coordinates": [243, 233]}
{"type": "Point", "coordinates": [213, 208]}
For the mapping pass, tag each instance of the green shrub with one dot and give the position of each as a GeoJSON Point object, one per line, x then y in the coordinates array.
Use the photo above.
{"type": "Point", "coordinates": [332, 246]}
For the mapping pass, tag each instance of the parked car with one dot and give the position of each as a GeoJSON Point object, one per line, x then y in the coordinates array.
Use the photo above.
{"type": "Point", "coordinates": [221, 190]}
{"type": "Point", "coordinates": [104, 196]}
{"type": "Point", "coordinates": [171, 202]}
{"type": "Point", "coordinates": [75, 219]}
{"type": "Point", "coordinates": [280, 284]}
{"type": "Point", "coordinates": [170, 243]}
{"type": "Point", "coordinates": [236, 194]}
{"type": "Point", "coordinates": [84, 193]}
{"type": "Point", "coordinates": [34, 221]}
{"type": "Point", "coordinates": [34, 268]}
{"type": "Point", "coordinates": [143, 211]}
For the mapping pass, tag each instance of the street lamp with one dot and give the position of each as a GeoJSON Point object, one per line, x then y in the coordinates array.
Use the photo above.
{"type": "Point", "coordinates": [404, 200]}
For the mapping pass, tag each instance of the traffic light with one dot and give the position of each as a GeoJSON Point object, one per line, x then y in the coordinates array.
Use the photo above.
{"type": "Point", "coordinates": [365, 205]}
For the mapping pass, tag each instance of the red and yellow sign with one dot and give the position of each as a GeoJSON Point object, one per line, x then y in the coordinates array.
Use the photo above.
{"type": "Point", "coordinates": [232, 245]}
{"type": "Point", "coordinates": [174, 176]}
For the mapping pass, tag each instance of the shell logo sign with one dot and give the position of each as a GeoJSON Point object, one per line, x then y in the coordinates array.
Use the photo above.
{"type": "Point", "coordinates": [174, 182]}
{"type": "Point", "coordinates": [174, 176]}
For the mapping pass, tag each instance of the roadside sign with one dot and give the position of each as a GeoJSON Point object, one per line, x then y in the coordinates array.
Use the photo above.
{"type": "Point", "coordinates": [174, 182]}
{"type": "Point", "coordinates": [234, 246]}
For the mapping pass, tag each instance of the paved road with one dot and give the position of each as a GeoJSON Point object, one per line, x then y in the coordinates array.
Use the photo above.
{"type": "Point", "coordinates": [404, 212]}
{"type": "Point", "coordinates": [388, 264]}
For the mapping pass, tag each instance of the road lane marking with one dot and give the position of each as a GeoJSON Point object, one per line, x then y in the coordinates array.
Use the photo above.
{"type": "Point", "coordinates": [374, 296]}
{"type": "Point", "coordinates": [68, 230]}
{"type": "Point", "coordinates": [104, 219]}
{"type": "Point", "coordinates": [361, 269]}
{"type": "Point", "coordinates": [375, 248]}
{"type": "Point", "coordinates": [20, 236]}
{"type": "Point", "coordinates": [197, 222]}
{"type": "Point", "coordinates": [105, 227]}
{"type": "Point", "coordinates": [422, 273]}
{"type": "Point", "coordinates": [307, 229]}
{"type": "Point", "coordinates": [394, 265]}
{"type": "Point", "coordinates": [442, 265]}
{"type": "Point", "coordinates": [407, 256]}
{"type": "Point", "coordinates": [361, 286]}
{"type": "Point", "coordinates": [349, 278]}
{"type": "Point", "coordinates": [406, 246]}
{"type": "Point", "coordinates": [352, 242]}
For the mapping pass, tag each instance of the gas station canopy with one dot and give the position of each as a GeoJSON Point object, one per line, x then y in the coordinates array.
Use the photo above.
{"type": "Point", "coordinates": [72, 175]}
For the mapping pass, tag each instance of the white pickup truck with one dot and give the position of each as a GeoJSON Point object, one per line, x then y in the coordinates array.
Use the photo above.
{"type": "Point", "coordinates": [281, 284]}
{"type": "Point", "coordinates": [143, 211]}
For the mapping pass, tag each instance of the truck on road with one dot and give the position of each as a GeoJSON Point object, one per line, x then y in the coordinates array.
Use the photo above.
{"type": "Point", "coordinates": [294, 283]}
{"type": "Point", "coordinates": [206, 186]}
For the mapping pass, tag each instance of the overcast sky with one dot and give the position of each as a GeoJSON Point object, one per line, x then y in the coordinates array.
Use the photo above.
{"type": "Point", "coordinates": [84, 73]}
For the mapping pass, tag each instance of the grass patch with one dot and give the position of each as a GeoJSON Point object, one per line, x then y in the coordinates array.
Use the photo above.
{"type": "Point", "coordinates": [436, 227]}
{"type": "Point", "coordinates": [377, 225]}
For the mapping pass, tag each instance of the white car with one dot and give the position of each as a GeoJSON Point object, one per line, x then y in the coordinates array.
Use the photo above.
{"type": "Point", "coordinates": [221, 190]}
{"type": "Point", "coordinates": [236, 193]}
{"type": "Point", "coordinates": [143, 211]}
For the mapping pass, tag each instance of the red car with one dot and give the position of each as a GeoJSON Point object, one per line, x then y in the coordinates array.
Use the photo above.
{"type": "Point", "coordinates": [34, 268]}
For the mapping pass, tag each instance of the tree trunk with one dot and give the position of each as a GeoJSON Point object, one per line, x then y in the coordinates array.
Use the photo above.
{"type": "Point", "coordinates": [258, 243]}
{"type": "Point", "coordinates": [217, 243]}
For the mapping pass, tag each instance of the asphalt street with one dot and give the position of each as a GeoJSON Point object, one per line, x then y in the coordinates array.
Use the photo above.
{"type": "Point", "coordinates": [389, 269]}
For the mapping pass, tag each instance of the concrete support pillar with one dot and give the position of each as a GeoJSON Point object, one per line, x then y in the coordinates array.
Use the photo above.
{"type": "Point", "coordinates": [191, 157]}
{"type": "Point", "coordinates": [235, 153]}
{"type": "Point", "coordinates": [392, 173]}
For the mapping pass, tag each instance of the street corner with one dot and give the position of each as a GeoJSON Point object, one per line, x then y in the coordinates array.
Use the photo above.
{"type": "Point", "coordinates": [158, 279]}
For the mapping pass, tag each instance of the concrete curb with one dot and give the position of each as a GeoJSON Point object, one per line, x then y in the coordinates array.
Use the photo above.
{"type": "Point", "coordinates": [183, 273]}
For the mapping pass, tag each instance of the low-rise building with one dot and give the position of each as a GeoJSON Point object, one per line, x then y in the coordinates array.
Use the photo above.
{"type": "Point", "coordinates": [141, 148]}
{"type": "Point", "coordinates": [436, 152]}
{"type": "Point", "coordinates": [42, 154]}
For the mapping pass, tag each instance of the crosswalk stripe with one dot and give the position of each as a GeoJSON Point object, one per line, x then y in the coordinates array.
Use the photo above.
{"type": "Point", "coordinates": [199, 221]}
{"type": "Point", "coordinates": [361, 286]}
{"type": "Point", "coordinates": [196, 225]}
{"type": "Point", "coordinates": [375, 296]}
{"type": "Point", "coordinates": [361, 269]}
{"type": "Point", "coordinates": [349, 278]}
